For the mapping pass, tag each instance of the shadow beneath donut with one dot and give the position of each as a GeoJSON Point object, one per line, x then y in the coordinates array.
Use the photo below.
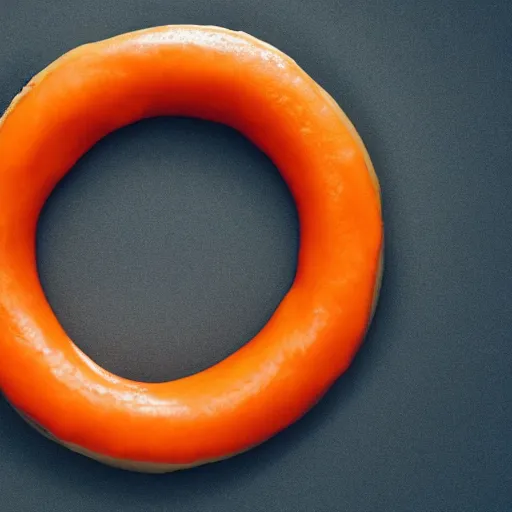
{"type": "Point", "coordinates": [108, 484]}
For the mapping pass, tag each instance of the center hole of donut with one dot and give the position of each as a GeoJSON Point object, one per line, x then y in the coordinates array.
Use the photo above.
{"type": "Point", "coordinates": [167, 247]}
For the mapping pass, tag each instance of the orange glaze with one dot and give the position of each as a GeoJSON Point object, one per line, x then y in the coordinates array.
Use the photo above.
{"type": "Point", "coordinates": [215, 74]}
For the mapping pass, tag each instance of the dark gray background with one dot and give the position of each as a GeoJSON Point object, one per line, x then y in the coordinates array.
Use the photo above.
{"type": "Point", "coordinates": [171, 242]}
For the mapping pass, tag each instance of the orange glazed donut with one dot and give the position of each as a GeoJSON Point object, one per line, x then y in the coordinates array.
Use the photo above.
{"type": "Point", "coordinates": [232, 78]}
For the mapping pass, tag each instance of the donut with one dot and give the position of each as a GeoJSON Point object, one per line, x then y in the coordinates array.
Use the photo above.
{"type": "Point", "coordinates": [228, 77]}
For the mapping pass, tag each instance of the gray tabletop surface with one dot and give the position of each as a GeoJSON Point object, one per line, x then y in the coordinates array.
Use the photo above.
{"type": "Point", "coordinates": [172, 241]}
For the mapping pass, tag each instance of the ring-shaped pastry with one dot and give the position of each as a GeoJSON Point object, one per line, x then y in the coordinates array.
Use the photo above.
{"type": "Point", "coordinates": [228, 77]}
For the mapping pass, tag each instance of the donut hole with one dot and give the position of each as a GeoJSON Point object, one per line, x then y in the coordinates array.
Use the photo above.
{"type": "Point", "coordinates": [167, 247]}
